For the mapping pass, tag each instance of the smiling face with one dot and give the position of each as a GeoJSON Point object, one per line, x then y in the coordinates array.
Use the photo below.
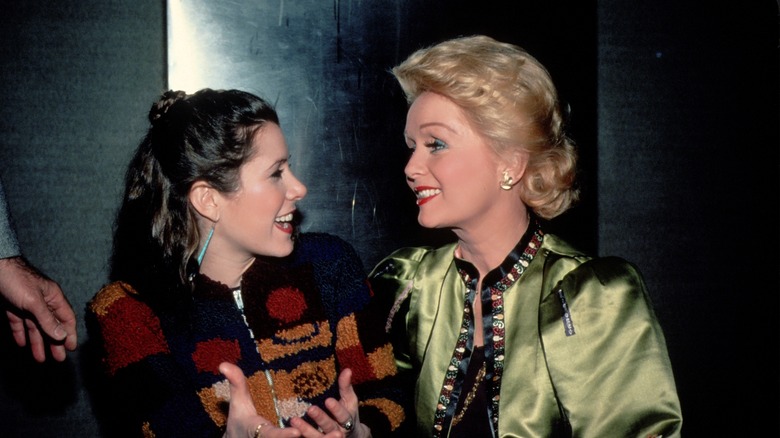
{"type": "Point", "coordinates": [453, 171]}
{"type": "Point", "coordinates": [256, 219]}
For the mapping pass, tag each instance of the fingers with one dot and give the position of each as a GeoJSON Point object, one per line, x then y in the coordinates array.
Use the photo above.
{"type": "Point", "coordinates": [240, 398]}
{"type": "Point", "coordinates": [346, 391]}
{"type": "Point", "coordinates": [270, 431]}
{"type": "Point", "coordinates": [37, 344]}
{"type": "Point", "coordinates": [41, 293]}
{"type": "Point", "coordinates": [23, 330]}
{"type": "Point", "coordinates": [345, 410]}
{"type": "Point", "coordinates": [241, 408]}
{"type": "Point", "coordinates": [58, 352]}
{"type": "Point", "coordinates": [17, 328]}
{"type": "Point", "coordinates": [344, 418]}
{"type": "Point", "coordinates": [242, 417]}
{"type": "Point", "coordinates": [346, 407]}
{"type": "Point", "coordinates": [56, 315]}
{"type": "Point", "coordinates": [325, 423]}
{"type": "Point", "coordinates": [243, 420]}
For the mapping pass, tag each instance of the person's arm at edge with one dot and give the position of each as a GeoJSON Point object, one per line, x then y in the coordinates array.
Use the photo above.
{"type": "Point", "coordinates": [35, 302]}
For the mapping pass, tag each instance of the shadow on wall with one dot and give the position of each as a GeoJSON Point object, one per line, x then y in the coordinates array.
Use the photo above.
{"type": "Point", "coordinates": [46, 389]}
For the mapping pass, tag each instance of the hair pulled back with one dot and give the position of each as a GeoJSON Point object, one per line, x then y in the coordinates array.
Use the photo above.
{"type": "Point", "coordinates": [204, 136]}
{"type": "Point", "coordinates": [510, 98]}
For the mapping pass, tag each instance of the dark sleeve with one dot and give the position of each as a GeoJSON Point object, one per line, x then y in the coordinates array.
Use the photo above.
{"type": "Point", "coordinates": [9, 247]}
{"type": "Point", "coordinates": [391, 282]}
{"type": "Point", "coordinates": [136, 386]}
{"type": "Point", "coordinates": [361, 342]}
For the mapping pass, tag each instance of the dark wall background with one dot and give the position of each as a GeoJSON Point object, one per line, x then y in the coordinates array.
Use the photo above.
{"type": "Point", "coordinates": [688, 189]}
{"type": "Point", "coordinates": [675, 108]}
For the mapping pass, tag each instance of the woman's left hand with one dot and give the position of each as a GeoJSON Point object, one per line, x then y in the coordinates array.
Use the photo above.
{"type": "Point", "coordinates": [343, 418]}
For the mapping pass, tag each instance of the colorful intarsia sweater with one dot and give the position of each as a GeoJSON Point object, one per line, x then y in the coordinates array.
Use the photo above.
{"type": "Point", "coordinates": [304, 319]}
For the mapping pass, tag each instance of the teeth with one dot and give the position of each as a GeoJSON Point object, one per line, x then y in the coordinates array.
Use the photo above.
{"type": "Point", "coordinates": [285, 218]}
{"type": "Point", "coordinates": [426, 193]}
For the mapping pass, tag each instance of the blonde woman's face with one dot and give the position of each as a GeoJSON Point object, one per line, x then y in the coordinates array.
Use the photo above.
{"type": "Point", "coordinates": [452, 170]}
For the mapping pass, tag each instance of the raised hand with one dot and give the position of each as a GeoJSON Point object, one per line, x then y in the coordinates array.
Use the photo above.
{"type": "Point", "coordinates": [345, 410]}
{"type": "Point", "coordinates": [243, 421]}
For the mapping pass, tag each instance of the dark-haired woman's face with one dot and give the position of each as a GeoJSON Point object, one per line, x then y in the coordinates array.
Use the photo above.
{"type": "Point", "coordinates": [257, 219]}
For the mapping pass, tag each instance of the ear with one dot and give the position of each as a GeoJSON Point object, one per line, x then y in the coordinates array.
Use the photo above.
{"type": "Point", "coordinates": [203, 198]}
{"type": "Point", "coordinates": [515, 165]}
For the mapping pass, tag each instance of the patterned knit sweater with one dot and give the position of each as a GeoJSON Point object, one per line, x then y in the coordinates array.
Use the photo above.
{"type": "Point", "coordinates": [304, 319]}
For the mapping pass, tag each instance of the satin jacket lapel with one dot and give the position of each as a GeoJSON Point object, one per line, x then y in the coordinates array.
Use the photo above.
{"type": "Point", "coordinates": [438, 313]}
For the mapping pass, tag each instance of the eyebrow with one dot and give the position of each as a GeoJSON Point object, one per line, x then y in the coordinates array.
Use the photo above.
{"type": "Point", "coordinates": [279, 162]}
{"type": "Point", "coordinates": [443, 125]}
{"type": "Point", "coordinates": [429, 124]}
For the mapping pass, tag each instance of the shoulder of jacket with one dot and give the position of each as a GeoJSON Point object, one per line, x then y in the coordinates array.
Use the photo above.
{"type": "Point", "coordinates": [316, 239]}
{"type": "Point", "coordinates": [322, 247]}
{"type": "Point", "coordinates": [110, 294]}
{"type": "Point", "coordinates": [608, 270]}
{"type": "Point", "coordinates": [314, 236]}
{"type": "Point", "coordinates": [566, 263]}
{"type": "Point", "coordinates": [553, 244]}
{"type": "Point", "coordinates": [404, 262]}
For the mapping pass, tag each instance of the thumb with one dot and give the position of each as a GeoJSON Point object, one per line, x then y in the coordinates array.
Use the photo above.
{"type": "Point", "coordinates": [234, 375]}
{"type": "Point", "coordinates": [345, 379]}
{"type": "Point", "coordinates": [47, 319]}
{"type": "Point", "coordinates": [240, 398]}
{"type": "Point", "coordinates": [345, 385]}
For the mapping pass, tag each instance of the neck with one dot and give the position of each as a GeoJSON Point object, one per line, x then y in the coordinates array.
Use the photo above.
{"type": "Point", "coordinates": [488, 245]}
{"type": "Point", "coordinates": [223, 270]}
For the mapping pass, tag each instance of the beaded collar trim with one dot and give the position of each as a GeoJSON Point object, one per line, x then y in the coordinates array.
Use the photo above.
{"type": "Point", "coordinates": [494, 342]}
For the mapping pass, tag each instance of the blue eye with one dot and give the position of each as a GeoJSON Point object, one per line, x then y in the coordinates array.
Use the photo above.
{"type": "Point", "coordinates": [435, 144]}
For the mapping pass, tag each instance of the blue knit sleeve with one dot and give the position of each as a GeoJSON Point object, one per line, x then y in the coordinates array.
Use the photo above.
{"type": "Point", "coordinates": [361, 342]}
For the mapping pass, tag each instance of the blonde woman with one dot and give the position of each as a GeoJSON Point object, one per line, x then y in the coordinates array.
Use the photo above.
{"type": "Point", "coordinates": [510, 331]}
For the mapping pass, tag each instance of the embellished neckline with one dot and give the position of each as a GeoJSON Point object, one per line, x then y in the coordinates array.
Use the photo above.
{"type": "Point", "coordinates": [496, 282]}
{"type": "Point", "coordinates": [515, 255]}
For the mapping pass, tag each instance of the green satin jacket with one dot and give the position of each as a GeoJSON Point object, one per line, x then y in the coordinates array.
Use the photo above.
{"type": "Point", "coordinates": [599, 370]}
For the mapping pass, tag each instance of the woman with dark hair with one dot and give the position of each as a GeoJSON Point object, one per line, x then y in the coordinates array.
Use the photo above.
{"type": "Point", "coordinates": [510, 331]}
{"type": "Point", "coordinates": [210, 280]}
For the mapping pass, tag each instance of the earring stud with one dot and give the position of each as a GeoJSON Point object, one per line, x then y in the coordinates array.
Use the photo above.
{"type": "Point", "coordinates": [506, 182]}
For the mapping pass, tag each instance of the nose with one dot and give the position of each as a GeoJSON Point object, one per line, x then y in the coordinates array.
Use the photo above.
{"type": "Point", "coordinates": [295, 190]}
{"type": "Point", "coordinates": [414, 166]}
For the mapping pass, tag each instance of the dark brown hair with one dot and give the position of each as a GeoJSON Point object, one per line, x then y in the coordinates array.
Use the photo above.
{"type": "Point", "coordinates": [204, 136]}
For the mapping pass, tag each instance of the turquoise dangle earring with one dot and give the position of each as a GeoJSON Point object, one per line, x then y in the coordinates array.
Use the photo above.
{"type": "Point", "coordinates": [206, 245]}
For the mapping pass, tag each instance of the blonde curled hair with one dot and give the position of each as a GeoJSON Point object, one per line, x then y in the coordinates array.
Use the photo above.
{"type": "Point", "coordinates": [510, 98]}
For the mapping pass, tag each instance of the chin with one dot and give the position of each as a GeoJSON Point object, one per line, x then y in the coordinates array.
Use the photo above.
{"type": "Point", "coordinates": [280, 250]}
{"type": "Point", "coordinates": [428, 222]}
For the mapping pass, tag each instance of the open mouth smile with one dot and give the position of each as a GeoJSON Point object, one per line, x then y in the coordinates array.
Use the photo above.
{"type": "Point", "coordinates": [425, 194]}
{"type": "Point", "coordinates": [284, 223]}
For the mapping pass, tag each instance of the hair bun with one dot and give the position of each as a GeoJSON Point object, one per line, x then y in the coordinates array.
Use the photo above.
{"type": "Point", "coordinates": [166, 101]}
